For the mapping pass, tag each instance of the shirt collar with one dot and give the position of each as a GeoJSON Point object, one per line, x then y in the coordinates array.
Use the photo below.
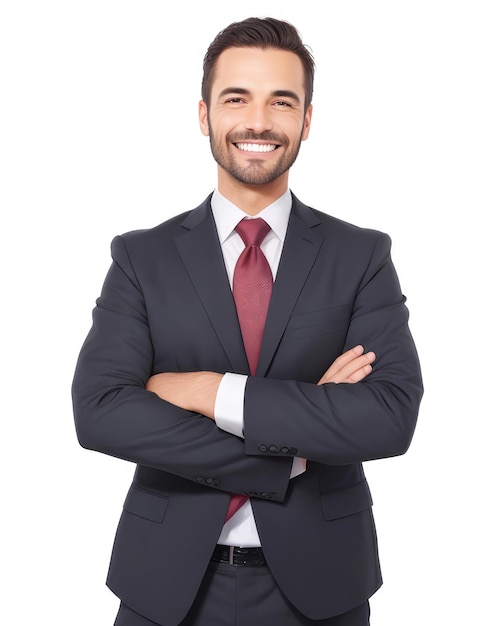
{"type": "Point", "coordinates": [227, 215]}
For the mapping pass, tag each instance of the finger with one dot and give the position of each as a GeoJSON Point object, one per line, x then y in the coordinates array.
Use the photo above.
{"type": "Point", "coordinates": [343, 360]}
{"type": "Point", "coordinates": [352, 371]}
{"type": "Point", "coordinates": [358, 375]}
{"type": "Point", "coordinates": [357, 369]}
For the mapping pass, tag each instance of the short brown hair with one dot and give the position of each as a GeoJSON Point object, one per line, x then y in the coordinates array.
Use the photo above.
{"type": "Point", "coordinates": [256, 32]}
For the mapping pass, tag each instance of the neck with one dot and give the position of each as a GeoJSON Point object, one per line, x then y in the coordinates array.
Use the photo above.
{"type": "Point", "coordinates": [252, 199]}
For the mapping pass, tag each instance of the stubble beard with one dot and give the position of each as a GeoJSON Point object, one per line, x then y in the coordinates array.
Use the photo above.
{"type": "Point", "coordinates": [257, 172]}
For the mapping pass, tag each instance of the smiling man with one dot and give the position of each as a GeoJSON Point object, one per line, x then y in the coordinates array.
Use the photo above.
{"type": "Point", "coordinates": [248, 356]}
{"type": "Point", "coordinates": [256, 116]}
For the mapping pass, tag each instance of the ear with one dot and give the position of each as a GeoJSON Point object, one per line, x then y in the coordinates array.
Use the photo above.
{"type": "Point", "coordinates": [307, 123]}
{"type": "Point", "coordinates": [204, 118]}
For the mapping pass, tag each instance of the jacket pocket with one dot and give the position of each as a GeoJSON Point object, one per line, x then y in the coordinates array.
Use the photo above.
{"type": "Point", "coordinates": [146, 504]}
{"type": "Point", "coordinates": [347, 501]}
{"type": "Point", "coordinates": [320, 322]}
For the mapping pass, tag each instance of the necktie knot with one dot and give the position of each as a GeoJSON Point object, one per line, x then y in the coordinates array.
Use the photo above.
{"type": "Point", "coordinates": [253, 231]}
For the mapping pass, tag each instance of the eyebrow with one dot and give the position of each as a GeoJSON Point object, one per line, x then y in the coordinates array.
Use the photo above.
{"type": "Point", "coordinates": [278, 93]}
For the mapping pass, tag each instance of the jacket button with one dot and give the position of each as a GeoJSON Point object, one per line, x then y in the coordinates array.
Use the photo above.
{"type": "Point", "coordinates": [273, 449]}
{"type": "Point", "coordinates": [263, 447]}
{"type": "Point", "coordinates": [285, 450]}
{"type": "Point", "coordinates": [265, 494]}
{"type": "Point", "coordinates": [199, 479]}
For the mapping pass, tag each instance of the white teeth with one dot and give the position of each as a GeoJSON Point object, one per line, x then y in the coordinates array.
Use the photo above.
{"type": "Point", "coordinates": [256, 147]}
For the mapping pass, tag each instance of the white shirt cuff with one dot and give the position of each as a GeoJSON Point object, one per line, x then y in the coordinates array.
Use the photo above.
{"type": "Point", "coordinates": [229, 404]}
{"type": "Point", "coordinates": [298, 466]}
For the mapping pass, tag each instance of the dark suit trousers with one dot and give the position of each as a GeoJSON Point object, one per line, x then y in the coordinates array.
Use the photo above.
{"type": "Point", "coordinates": [244, 596]}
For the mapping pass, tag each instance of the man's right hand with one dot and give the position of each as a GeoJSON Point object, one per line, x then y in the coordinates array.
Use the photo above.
{"type": "Point", "coordinates": [351, 367]}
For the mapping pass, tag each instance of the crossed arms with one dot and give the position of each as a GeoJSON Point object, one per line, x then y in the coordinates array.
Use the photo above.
{"type": "Point", "coordinates": [197, 391]}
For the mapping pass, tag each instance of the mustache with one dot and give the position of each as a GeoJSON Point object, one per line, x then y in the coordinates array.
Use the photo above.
{"type": "Point", "coordinates": [250, 136]}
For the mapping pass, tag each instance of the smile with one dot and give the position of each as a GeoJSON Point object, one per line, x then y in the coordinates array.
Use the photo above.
{"type": "Point", "coordinates": [256, 147]}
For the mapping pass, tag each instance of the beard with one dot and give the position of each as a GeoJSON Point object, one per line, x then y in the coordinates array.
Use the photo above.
{"type": "Point", "coordinates": [257, 171]}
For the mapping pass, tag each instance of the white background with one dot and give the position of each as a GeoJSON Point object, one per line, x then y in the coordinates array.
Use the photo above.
{"type": "Point", "coordinates": [99, 135]}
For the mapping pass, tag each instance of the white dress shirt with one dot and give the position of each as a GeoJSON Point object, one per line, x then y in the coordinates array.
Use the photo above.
{"type": "Point", "coordinates": [241, 529]}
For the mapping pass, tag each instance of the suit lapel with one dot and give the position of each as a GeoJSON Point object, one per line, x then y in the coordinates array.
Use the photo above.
{"type": "Point", "coordinates": [301, 247]}
{"type": "Point", "coordinates": [201, 254]}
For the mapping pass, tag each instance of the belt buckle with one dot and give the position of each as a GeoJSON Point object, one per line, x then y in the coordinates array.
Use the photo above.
{"type": "Point", "coordinates": [231, 555]}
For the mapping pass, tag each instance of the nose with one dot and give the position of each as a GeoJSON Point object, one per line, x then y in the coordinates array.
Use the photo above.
{"type": "Point", "coordinates": [258, 118]}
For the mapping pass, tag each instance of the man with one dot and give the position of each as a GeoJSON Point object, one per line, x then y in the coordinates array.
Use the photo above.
{"type": "Point", "coordinates": [275, 389]}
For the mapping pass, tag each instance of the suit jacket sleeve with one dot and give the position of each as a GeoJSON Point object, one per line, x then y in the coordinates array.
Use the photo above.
{"type": "Point", "coordinates": [345, 423]}
{"type": "Point", "coordinates": [114, 414]}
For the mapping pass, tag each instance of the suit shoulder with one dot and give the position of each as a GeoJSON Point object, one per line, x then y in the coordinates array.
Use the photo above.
{"type": "Point", "coordinates": [142, 236]}
{"type": "Point", "coordinates": [165, 231]}
{"type": "Point", "coordinates": [348, 229]}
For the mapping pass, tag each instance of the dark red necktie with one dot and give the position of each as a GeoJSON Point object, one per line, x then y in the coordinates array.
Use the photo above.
{"type": "Point", "coordinates": [252, 288]}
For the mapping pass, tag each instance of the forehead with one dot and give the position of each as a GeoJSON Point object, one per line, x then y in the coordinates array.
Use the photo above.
{"type": "Point", "coordinates": [268, 69]}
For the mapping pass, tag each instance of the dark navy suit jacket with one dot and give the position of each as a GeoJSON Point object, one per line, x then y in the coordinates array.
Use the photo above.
{"type": "Point", "coordinates": [166, 305]}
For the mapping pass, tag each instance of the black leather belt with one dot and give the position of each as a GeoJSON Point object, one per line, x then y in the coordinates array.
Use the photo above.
{"type": "Point", "coordinates": [241, 557]}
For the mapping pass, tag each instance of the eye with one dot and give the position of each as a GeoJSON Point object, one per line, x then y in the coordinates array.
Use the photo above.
{"type": "Point", "coordinates": [282, 103]}
{"type": "Point", "coordinates": [234, 100]}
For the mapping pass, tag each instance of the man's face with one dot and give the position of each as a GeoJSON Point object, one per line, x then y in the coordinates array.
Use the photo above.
{"type": "Point", "coordinates": [256, 119]}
